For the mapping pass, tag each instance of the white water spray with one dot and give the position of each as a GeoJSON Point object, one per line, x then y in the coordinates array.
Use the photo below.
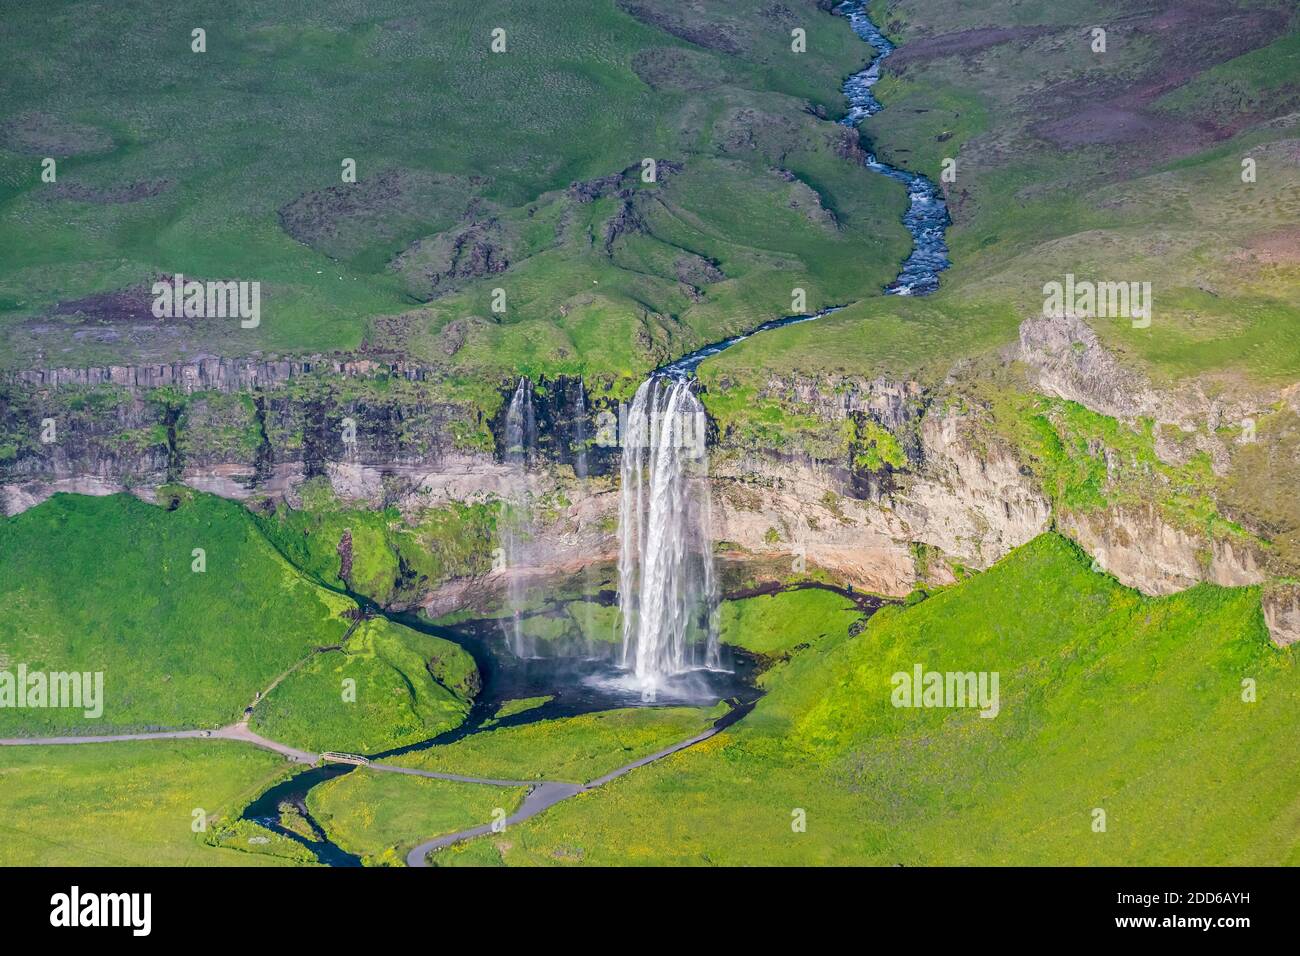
{"type": "Point", "coordinates": [667, 591]}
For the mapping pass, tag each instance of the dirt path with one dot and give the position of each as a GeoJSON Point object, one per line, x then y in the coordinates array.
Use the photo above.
{"type": "Point", "coordinates": [544, 795]}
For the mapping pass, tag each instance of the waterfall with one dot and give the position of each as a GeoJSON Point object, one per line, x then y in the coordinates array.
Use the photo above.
{"type": "Point", "coordinates": [667, 591]}
{"type": "Point", "coordinates": [520, 443]}
{"type": "Point", "coordinates": [580, 432]}
{"type": "Point", "coordinates": [521, 425]}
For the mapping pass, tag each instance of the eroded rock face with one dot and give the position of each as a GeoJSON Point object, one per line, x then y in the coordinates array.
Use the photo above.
{"type": "Point", "coordinates": [971, 503]}
{"type": "Point", "coordinates": [804, 510]}
{"type": "Point", "coordinates": [265, 429]}
{"type": "Point", "coordinates": [1145, 552]}
{"type": "Point", "coordinates": [1069, 362]}
{"type": "Point", "coordinates": [1066, 360]}
{"type": "Point", "coordinates": [975, 505]}
{"type": "Point", "coordinates": [1282, 614]}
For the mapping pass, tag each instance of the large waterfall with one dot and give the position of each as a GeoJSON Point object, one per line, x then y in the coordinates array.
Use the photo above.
{"type": "Point", "coordinates": [667, 591]}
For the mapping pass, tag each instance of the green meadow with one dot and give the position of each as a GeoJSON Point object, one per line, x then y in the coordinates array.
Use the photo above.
{"type": "Point", "coordinates": [570, 749]}
{"type": "Point", "coordinates": [228, 163]}
{"type": "Point", "coordinates": [386, 687]}
{"type": "Point", "coordinates": [134, 804]}
{"type": "Point", "coordinates": [1109, 702]}
{"type": "Point", "coordinates": [110, 585]}
{"type": "Point", "coordinates": [380, 816]}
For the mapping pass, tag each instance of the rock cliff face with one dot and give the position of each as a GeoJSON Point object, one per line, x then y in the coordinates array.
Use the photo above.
{"type": "Point", "coordinates": [1065, 359]}
{"type": "Point", "coordinates": [1282, 614]}
{"type": "Point", "coordinates": [969, 506]}
{"type": "Point", "coordinates": [381, 435]}
{"type": "Point", "coordinates": [1149, 554]}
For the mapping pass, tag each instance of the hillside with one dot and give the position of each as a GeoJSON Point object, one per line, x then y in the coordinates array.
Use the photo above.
{"type": "Point", "coordinates": [1108, 701]}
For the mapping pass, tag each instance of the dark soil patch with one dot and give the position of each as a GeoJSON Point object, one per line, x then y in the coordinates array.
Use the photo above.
{"type": "Point", "coordinates": [674, 69]}
{"type": "Point", "coordinates": [444, 262]}
{"type": "Point", "coordinates": [123, 305]}
{"type": "Point", "coordinates": [1189, 39]}
{"type": "Point", "coordinates": [688, 25]}
{"type": "Point", "coordinates": [111, 195]}
{"type": "Point", "coordinates": [40, 134]}
{"type": "Point", "coordinates": [346, 219]}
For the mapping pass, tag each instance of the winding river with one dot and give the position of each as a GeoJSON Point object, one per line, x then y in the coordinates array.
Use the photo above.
{"type": "Point", "coordinates": [926, 219]}
{"type": "Point", "coordinates": [927, 213]}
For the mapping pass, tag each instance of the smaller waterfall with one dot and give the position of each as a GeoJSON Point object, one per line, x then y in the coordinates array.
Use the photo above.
{"type": "Point", "coordinates": [667, 592]}
{"type": "Point", "coordinates": [520, 445]}
{"type": "Point", "coordinates": [580, 435]}
{"type": "Point", "coordinates": [521, 425]}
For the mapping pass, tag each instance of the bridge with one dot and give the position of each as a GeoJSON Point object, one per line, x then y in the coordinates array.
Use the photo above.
{"type": "Point", "coordinates": [331, 756]}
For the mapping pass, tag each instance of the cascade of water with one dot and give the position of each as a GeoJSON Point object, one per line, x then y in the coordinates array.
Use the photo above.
{"type": "Point", "coordinates": [521, 425]}
{"type": "Point", "coordinates": [667, 591]}
{"type": "Point", "coordinates": [580, 431]}
{"type": "Point", "coordinates": [521, 441]}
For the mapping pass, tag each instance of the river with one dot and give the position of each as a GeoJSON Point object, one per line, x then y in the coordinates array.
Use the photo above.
{"type": "Point", "coordinates": [505, 677]}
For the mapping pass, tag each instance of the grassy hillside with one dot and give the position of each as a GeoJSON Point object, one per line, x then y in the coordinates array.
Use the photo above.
{"type": "Point", "coordinates": [1127, 166]}
{"type": "Point", "coordinates": [107, 584]}
{"type": "Point", "coordinates": [381, 554]}
{"type": "Point", "coordinates": [1109, 701]}
{"type": "Point", "coordinates": [132, 804]}
{"type": "Point", "coordinates": [387, 687]}
{"type": "Point", "coordinates": [227, 164]}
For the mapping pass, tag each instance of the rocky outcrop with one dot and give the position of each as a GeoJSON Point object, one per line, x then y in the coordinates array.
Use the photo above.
{"type": "Point", "coordinates": [953, 497]}
{"type": "Point", "coordinates": [1066, 360]}
{"type": "Point", "coordinates": [211, 374]}
{"type": "Point", "coordinates": [1145, 552]}
{"type": "Point", "coordinates": [970, 502]}
{"type": "Point", "coordinates": [1282, 614]}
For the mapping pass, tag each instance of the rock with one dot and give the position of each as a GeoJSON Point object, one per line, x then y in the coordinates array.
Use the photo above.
{"type": "Point", "coordinates": [1144, 551]}
{"type": "Point", "coordinates": [1281, 608]}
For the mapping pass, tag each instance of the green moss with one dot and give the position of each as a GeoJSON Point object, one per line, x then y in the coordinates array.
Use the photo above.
{"type": "Point", "coordinates": [393, 557]}
{"type": "Point", "coordinates": [388, 686]}
{"type": "Point", "coordinates": [774, 624]}
{"type": "Point", "coordinates": [1107, 700]}
{"type": "Point", "coordinates": [108, 584]}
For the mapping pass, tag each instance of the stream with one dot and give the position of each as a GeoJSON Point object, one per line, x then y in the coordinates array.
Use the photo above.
{"type": "Point", "coordinates": [926, 218]}
{"type": "Point", "coordinates": [589, 680]}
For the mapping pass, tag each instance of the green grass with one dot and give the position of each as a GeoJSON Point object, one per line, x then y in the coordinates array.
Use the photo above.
{"type": "Point", "coordinates": [132, 804]}
{"type": "Point", "coordinates": [389, 686]}
{"type": "Point", "coordinates": [257, 126]}
{"type": "Point", "coordinates": [572, 749]}
{"type": "Point", "coordinates": [380, 816]}
{"type": "Point", "coordinates": [1172, 210]}
{"type": "Point", "coordinates": [393, 558]}
{"type": "Point", "coordinates": [779, 623]}
{"type": "Point", "coordinates": [1108, 700]}
{"type": "Point", "coordinates": [106, 585]}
